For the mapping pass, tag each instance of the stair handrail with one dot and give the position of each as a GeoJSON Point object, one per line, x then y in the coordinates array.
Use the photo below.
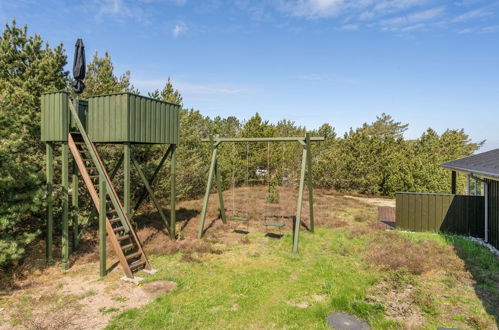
{"type": "Point", "coordinates": [100, 168]}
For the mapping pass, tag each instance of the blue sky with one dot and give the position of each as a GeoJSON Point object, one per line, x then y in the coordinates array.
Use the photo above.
{"type": "Point", "coordinates": [427, 63]}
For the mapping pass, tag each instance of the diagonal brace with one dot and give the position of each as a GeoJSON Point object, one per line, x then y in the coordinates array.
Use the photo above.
{"type": "Point", "coordinates": [149, 191]}
{"type": "Point", "coordinates": [143, 193]}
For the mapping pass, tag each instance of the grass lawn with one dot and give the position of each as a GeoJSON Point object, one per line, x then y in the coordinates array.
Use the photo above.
{"type": "Point", "coordinates": [261, 284]}
{"type": "Point", "coordinates": [230, 280]}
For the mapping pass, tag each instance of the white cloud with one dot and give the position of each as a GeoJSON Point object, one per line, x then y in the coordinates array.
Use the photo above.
{"type": "Point", "coordinates": [412, 21]}
{"type": "Point", "coordinates": [471, 15]}
{"type": "Point", "coordinates": [180, 28]}
{"type": "Point", "coordinates": [390, 15]}
{"type": "Point", "coordinates": [119, 9]}
{"type": "Point", "coordinates": [350, 27]}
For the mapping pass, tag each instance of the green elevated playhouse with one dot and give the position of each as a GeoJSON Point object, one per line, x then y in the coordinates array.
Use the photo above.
{"type": "Point", "coordinates": [78, 126]}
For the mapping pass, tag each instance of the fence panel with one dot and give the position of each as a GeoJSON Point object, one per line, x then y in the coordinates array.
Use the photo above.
{"type": "Point", "coordinates": [458, 214]}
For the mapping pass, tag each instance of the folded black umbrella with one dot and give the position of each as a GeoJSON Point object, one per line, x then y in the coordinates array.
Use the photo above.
{"type": "Point", "coordinates": [79, 67]}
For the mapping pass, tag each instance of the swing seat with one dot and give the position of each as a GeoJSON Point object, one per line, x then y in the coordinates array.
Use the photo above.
{"type": "Point", "coordinates": [274, 224]}
{"type": "Point", "coordinates": [239, 218]}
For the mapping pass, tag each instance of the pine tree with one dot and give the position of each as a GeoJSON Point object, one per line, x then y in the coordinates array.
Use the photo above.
{"type": "Point", "coordinates": [168, 94]}
{"type": "Point", "coordinates": [28, 67]}
{"type": "Point", "coordinates": [100, 78]}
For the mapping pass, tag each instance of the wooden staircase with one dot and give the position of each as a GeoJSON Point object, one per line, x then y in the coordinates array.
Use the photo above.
{"type": "Point", "coordinates": [119, 230]}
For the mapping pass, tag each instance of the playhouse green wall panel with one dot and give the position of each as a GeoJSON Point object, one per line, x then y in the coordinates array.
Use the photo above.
{"type": "Point", "coordinates": [54, 117]}
{"type": "Point", "coordinates": [132, 118]}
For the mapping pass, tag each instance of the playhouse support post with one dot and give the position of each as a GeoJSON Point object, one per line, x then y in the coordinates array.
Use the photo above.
{"type": "Point", "coordinates": [102, 225]}
{"type": "Point", "coordinates": [173, 192]}
{"type": "Point", "coordinates": [310, 181]}
{"type": "Point", "coordinates": [74, 205]}
{"type": "Point", "coordinates": [65, 205]}
{"type": "Point", "coordinates": [208, 189]}
{"type": "Point", "coordinates": [453, 182]}
{"type": "Point", "coordinates": [300, 199]}
{"type": "Point", "coordinates": [143, 194]}
{"type": "Point", "coordinates": [126, 179]}
{"type": "Point", "coordinates": [50, 201]}
{"type": "Point", "coordinates": [149, 191]}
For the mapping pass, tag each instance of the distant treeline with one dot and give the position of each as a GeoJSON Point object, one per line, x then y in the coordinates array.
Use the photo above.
{"type": "Point", "coordinates": [372, 159]}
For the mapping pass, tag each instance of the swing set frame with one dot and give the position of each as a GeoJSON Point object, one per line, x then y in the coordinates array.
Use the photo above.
{"type": "Point", "coordinates": [306, 170]}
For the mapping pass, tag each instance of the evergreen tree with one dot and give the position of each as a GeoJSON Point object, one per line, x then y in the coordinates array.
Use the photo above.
{"type": "Point", "coordinates": [28, 67]}
{"type": "Point", "coordinates": [168, 94]}
{"type": "Point", "coordinates": [100, 78]}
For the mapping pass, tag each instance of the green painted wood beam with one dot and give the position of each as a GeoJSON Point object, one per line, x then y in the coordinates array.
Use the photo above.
{"type": "Point", "coordinates": [149, 191]}
{"type": "Point", "coordinates": [74, 205]}
{"type": "Point", "coordinates": [126, 179]}
{"type": "Point", "coordinates": [65, 205]}
{"type": "Point", "coordinates": [310, 183]}
{"type": "Point", "coordinates": [300, 199]}
{"type": "Point", "coordinates": [102, 225]}
{"type": "Point", "coordinates": [50, 201]}
{"type": "Point", "coordinates": [218, 179]}
{"type": "Point", "coordinates": [143, 193]}
{"type": "Point", "coordinates": [207, 192]}
{"type": "Point", "coordinates": [173, 191]}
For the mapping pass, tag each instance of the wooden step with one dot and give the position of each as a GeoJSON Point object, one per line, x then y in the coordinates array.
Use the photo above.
{"type": "Point", "coordinates": [137, 264]}
{"type": "Point", "coordinates": [122, 238]}
{"type": "Point", "coordinates": [125, 242]}
{"type": "Point", "coordinates": [133, 255]}
{"type": "Point", "coordinates": [127, 247]}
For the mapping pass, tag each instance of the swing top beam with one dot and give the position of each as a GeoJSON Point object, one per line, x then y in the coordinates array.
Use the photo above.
{"type": "Point", "coordinates": [300, 139]}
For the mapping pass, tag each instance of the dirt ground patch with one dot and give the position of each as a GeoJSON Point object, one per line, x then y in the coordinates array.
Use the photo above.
{"type": "Point", "coordinates": [76, 302]}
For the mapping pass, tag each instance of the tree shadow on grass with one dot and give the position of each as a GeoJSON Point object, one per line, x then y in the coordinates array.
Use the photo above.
{"type": "Point", "coordinates": [484, 268]}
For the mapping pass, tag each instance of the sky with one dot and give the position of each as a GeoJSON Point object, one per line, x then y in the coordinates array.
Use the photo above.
{"type": "Point", "coordinates": [427, 63]}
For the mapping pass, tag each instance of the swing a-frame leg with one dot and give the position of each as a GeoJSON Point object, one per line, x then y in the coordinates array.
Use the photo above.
{"type": "Point", "coordinates": [213, 171]}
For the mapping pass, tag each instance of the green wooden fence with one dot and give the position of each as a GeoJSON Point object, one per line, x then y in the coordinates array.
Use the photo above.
{"type": "Point", "coordinates": [458, 214]}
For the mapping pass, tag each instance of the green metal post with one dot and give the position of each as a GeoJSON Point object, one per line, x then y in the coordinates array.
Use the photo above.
{"type": "Point", "coordinates": [173, 192]}
{"type": "Point", "coordinates": [207, 192]}
{"type": "Point", "coordinates": [102, 225]}
{"type": "Point", "coordinates": [74, 205]}
{"type": "Point", "coordinates": [149, 190]}
{"type": "Point", "coordinates": [300, 199]}
{"type": "Point", "coordinates": [126, 179]}
{"type": "Point", "coordinates": [65, 205]}
{"type": "Point", "coordinates": [50, 201]}
{"type": "Point", "coordinates": [310, 181]}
